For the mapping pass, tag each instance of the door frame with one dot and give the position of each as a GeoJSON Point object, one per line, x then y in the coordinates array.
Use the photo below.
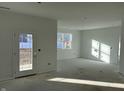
{"type": "Point", "coordinates": [16, 72]}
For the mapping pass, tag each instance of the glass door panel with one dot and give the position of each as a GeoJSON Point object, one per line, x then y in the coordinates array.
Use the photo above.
{"type": "Point", "coordinates": [25, 52]}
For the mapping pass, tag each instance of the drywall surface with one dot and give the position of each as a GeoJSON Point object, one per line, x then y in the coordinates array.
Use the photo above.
{"type": "Point", "coordinates": [46, 40]}
{"type": "Point", "coordinates": [70, 53]}
{"type": "Point", "coordinates": [108, 36]}
{"type": "Point", "coordinates": [121, 63]}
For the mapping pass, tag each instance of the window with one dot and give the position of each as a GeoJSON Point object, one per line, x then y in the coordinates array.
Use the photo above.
{"type": "Point", "coordinates": [119, 48]}
{"type": "Point", "coordinates": [101, 51]}
{"type": "Point", "coordinates": [95, 48]}
{"type": "Point", "coordinates": [64, 40]}
{"type": "Point", "coordinates": [105, 53]}
{"type": "Point", "coordinates": [60, 40]}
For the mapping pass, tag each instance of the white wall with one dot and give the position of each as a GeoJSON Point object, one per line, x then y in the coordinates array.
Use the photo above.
{"type": "Point", "coordinates": [109, 36]}
{"type": "Point", "coordinates": [70, 53]}
{"type": "Point", "coordinates": [121, 63]}
{"type": "Point", "coordinates": [46, 40]}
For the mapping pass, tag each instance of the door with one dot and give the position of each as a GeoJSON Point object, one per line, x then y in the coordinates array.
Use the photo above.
{"type": "Point", "coordinates": [25, 54]}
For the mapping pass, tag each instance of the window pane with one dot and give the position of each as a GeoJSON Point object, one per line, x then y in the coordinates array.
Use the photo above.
{"type": "Point", "coordinates": [95, 52]}
{"type": "Point", "coordinates": [60, 37]}
{"type": "Point", "coordinates": [104, 57]}
{"type": "Point", "coordinates": [105, 48]}
{"type": "Point", "coordinates": [95, 44]}
{"type": "Point", "coordinates": [60, 44]}
{"type": "Point", "coordinates": [60, 40]}
{"type": "Point", "coordinates": [67, 37]}
{"type": "Point", "coordinates": [67, 41]}
{"type": "Point", "coordinates": [67, 45]}
{"type": "Point", "coordinates": [25, 52]}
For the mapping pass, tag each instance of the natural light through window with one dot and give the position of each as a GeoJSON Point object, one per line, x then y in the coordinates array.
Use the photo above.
{"type": "Point", "coordinates": [119, 48]}
{"type": "Point", "coordinates": [101, 51]}
{"type": "Point", "coordinates": [25, 52]}
{"type": "Point", "coordinates": [88, 82]}
{"type": "Point", "coordinates": [95, 48]}
{"type": "Point", "coordinates": [105, 53]}
{"type": "Point", "coordinates": [64, 40]}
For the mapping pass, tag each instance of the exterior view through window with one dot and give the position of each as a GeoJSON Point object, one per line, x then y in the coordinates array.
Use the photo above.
{"type": "Point", "coordinates": [101, 51]}
{"type": "Point", "coordinates": [95, 48]}
{"type": "Point", "coordinates": [25, 52]}
{"type": "Point", "coordinates": [64, 40]}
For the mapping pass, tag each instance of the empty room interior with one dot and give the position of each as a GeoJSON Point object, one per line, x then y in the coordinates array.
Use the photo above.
{"type": "Point", "coordinates": [61, 46]}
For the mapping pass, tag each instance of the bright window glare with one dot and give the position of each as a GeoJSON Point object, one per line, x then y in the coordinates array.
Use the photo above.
{"type": "Point", "coordinates": [88, 82]}
{"type": "Point", "coordinates": [105, 48]}
{"type": "Point", "coordinates": [95, 44]}
{"type": "Point", "coordinates": [105, 53]}
{"type": "Point", "coordinates": [95, 48]}
{"type": "Point", "coordinates": [101, 51]}
{"type": "Point", "coordinates": [104, 57]}
{"type": "Point", "coordinates": [95, 52]}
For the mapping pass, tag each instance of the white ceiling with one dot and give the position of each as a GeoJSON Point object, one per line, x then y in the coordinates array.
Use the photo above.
{"type": "Point", "coordinates": [76, 16]}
